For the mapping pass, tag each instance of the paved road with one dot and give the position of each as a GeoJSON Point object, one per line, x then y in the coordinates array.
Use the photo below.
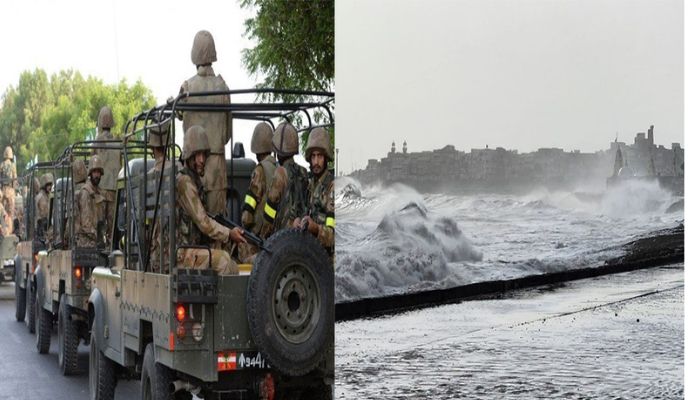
{"type": "Point", "coordinates": [618, 337]}
{"type": "Point", "coordinates": [28, 375]}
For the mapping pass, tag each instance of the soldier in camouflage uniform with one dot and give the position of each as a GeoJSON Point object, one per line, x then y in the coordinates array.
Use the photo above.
{"type": "Point", "coordinates": [79, 175]}
{"type": "Point", "coordinates": [90, 222]}
{"type": "Point", "coordinates": [320, 219]}
{"type": "Point", "coordinates": [218, 125]}
{"type": "Point", "coordinates": [8, 178]}
{"type": "Point", "coordinates": [194, 227]}
{"type": "Point", "coordinates": [157, 139]}
{"type": "Point", "coordinates": [287, 195]}
{"type": "Point", "coordinates": [43, 207]}
{"type": "Point", "coordinates": [262, 177]}
{"type": "Point", "coordinates": [111, 164]}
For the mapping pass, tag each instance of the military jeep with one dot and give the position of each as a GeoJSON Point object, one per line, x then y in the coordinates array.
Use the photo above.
{"type": "Point", "coordinates": [266, 333]}
{"type": "Point", "coordinates": [26, 259]}
{"type": "Point", "coordinates": [64, 269]}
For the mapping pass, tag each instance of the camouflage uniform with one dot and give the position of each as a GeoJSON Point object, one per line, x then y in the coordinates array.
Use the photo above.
{"type": "Point", "coordinates": [322, 208]}
{"type": "Point", "coordinates": [8, 177]}
{"type": "Point", "coordinates": [288, 191]}
{"type": "Point", "coordinates": [218, 126]}
{"type": "Point", "coordinates": [4, 222]}
{"type": "Point", "coordinates": [157, 139]}
{"type": "Point", "coordinates": [287, 197]}
{"type": "Point", "coordinates": [43, 208]}
{"type": "Point", "coordinates": [194, 227]}
{"type": "Point", "coordinates": [261, 179]}
{"type": "Point", "coordinates": [19, 215]}
{"type": "Point", "coordinates": [111, 165]}
{"type": "Point", "coordinates": [90, 212]}
{"type": "Point", "coordinates": [321, 191]}
{"type": "Point", "coordinates": [79, 175]}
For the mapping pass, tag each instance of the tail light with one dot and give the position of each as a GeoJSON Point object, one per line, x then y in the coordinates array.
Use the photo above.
{"type": "Point", "coordinates": [180, 312]}
{"type": "Point", "coordinates": [78, 273]}
{"type": "Point", "coordinates": [181, 331]}
{"type": "Point", "coordinates": [267, 388]}
{"type": "Point", "coordinates": [187, 324]}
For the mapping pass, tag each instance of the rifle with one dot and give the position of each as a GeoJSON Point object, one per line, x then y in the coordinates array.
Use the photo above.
{"type": "Point", "coordinates": [252, 238]}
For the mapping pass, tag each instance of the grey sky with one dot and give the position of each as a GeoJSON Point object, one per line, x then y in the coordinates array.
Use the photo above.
{"type": "Point", "coordinates": [518, 74]}
{"type": "Point", "coordinates": [147, 40]}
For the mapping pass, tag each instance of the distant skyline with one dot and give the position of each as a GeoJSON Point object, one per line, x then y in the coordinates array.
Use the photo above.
{"type": "Point", "coordinates": [515, 74]}
{"type": "Point", "coordinates": [605, 146]}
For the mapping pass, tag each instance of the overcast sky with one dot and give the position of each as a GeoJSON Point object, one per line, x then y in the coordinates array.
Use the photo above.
{"type": "Point", "coordinates": [112, 40]}
{"type": "Point", "coordinates": [518, 74]}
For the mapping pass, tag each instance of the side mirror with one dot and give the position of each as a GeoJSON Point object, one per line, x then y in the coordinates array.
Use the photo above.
{"type": "Point", "coordinates": [238, 150]}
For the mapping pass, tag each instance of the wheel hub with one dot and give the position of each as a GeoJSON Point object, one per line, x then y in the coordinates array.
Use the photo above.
{"type": "Point", "coordinates": [296, 303]}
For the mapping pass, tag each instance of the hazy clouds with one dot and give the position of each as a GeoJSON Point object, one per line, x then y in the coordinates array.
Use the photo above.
{"type": "Point", "coordinates": [518, 74]}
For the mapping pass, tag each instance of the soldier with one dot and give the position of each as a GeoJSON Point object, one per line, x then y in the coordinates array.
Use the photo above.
{"type": "Point", "coordinates": [8, 177]}
{"type": "Point", "coordinates": [157, 139]}
{"type": "Point", "coordinates": [90, 223]}
{"type": "Point", "coordinates": [43, 206]}
{"type": "Point", "coordinates": [218, 126]}
{"type": "Point", "coordinates": [111, 164]}
{"type": "Point", "coordinates": [287, 196]}
{"type": "Point", "coordinates": [320, 220]}
{"type": "Point", "coordinates": [19, 228]}
{"type": "Point", "coordinates": [79, 174]}
{"type": "Point", "coordinates": [194, 227]}
{"type": "Point", "coordinates": [261, 180]}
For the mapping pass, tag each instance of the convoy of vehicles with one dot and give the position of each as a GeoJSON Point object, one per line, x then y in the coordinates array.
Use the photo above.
{"type": "Point", "coordinates": [266, 333]}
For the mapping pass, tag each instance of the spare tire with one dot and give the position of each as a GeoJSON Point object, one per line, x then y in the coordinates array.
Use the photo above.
{"type": "Point", "coordinates": [290, 302]}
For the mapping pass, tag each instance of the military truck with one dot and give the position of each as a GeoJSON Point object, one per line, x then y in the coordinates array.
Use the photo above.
{"type": "Point", "coordinates": [64, 269]}
{"type": "Point", "coordinates": [28, 248]}
{"type": "Point", "coordinates": [265, 333]}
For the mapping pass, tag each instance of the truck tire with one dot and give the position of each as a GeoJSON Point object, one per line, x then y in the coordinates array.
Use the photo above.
{"type": "Point", "coordinates": [68, 339]}
{"type": "Point", "coordinates": [30, 307]}
{"type": "Point", "coordinates": [102, 379]}
{"type": "Point", "coordinates": [44, 329]}
{"type": "Point", "coordinates": [19, 300]}
{"type": "Point", "coordinates": [156, 379]}
{"type": "Point", "coordinates": [290, 302]}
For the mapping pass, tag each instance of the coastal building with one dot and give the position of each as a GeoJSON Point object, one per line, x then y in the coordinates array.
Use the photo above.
{"type": "Point", "coordinates": [500, 169]}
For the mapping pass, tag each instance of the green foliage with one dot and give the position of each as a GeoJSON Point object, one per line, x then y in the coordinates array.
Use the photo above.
{"type": "Point", "coordinates": [295, 46]}
{"type": "Point", "coordinates": [295, 43]}
{"type": "Point", "coordinates": [42, 116]}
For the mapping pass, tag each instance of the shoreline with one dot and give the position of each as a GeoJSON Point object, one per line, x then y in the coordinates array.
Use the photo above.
{"type": "Point", "coordinates": [658, 248]}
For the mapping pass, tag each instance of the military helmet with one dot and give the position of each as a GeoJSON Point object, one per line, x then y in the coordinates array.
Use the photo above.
{"type": "Point", "coordinates": [105, 118]}
{"type": "Point", "coordinates": [158, 134]}
{"type": "Point", "coordinates": [95, 163]}
{"type": "Point", "coordinates": [285, 140]}
{"type": "Point", "coordinates": [203, 49]}
{"type": "Point", "coordinates": [195, 140]}
{"type": "Point", "coordinates": [319, 139]}
{"type": "Point", "coordinates": [79, 170]}
{"type": "Point", "coordinates": [261, 138]}
{"type": "Point", "coordinates": [46, 179]}
{"type": "Point", "coordinates": [8, 153]}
